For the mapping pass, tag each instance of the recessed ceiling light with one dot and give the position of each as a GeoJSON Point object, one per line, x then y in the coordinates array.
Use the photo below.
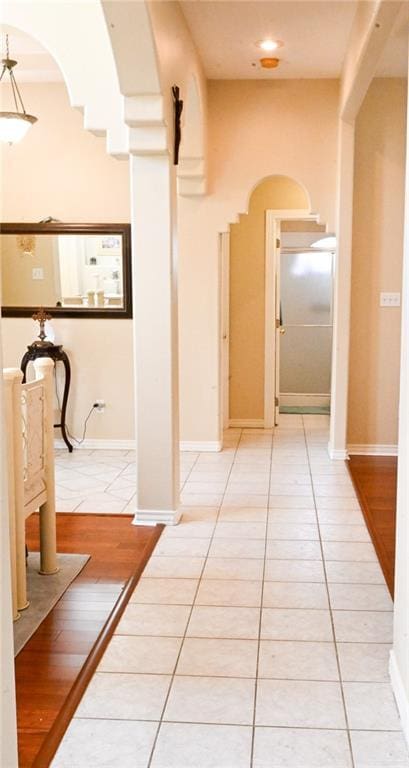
{"type": "Point", "coordinates": [269, 44]}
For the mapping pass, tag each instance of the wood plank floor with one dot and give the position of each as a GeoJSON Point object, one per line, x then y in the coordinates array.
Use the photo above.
{"type": "Point", "coordinates": [52, 660]}
{"type": "Point", "coordinates": [374, 478]}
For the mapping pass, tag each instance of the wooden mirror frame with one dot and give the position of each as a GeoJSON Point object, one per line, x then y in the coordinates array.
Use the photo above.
{"type": "Point", "coordinates": [58, 228]}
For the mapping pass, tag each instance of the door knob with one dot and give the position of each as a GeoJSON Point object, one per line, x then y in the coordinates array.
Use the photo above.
{"type": "Point", "coordinates": [282, 331]}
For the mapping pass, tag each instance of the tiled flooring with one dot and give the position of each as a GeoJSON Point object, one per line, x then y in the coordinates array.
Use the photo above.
{"type": "Point", "coordinates": [104, 481]}
{"type": "Point", "coordinates": [260, 631]}
{"type": "Point", "coordinates": [95, 481]}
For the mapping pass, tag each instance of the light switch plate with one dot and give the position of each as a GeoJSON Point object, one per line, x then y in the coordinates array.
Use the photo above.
{"type": "Point", "coordinates": [390, 300]}
{"type": "Point", "coordinates": [37, 273]}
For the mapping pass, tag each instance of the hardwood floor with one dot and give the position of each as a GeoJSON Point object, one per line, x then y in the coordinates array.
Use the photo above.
{"type": "Point", "coordinates": [52, 669]}
{"type": "Point", "coordinates": [374, 478]}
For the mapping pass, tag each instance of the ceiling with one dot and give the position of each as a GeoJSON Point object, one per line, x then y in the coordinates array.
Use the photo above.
{"type": "Point", "coordinates": [314, 35]}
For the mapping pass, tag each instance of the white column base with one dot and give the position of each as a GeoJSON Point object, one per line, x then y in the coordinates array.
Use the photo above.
{"type": "Point", "coordinates": [157, 517]}
{"type": "Point", "coordinates": [337, 454]}
{"type": "Point", "coordinates": [399, 693]}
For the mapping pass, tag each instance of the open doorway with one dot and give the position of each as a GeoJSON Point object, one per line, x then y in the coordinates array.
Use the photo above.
{"type": "Point", "coordinates": [277, 247]}
{"type": "Point", "coordinates": [299, 256]}
{"type": "Point", "coordinates": [304, 290]}
{"type": "Point", "coordinates": [251, 335]}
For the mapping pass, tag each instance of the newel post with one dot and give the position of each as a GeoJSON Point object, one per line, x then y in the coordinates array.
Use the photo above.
{"type": "Point", "coordinates": [44, 369]}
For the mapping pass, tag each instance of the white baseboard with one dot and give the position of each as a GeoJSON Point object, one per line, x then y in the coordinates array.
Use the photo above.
{"type": "Point", "coordinates": [91, 444]}
{"type": "Point", "coordinates": [247, 423]}
{"type": "Point", "coordinates": [155, 516]}
{"type": "Point", "coordinates": [302, 399]}
{"type": "Point", "coordinates": [337, 454]}
{"type": "Point", "coordinates": [373, 450]}
{"type": "Point", "coordinates": [199, 447]}
{"type": "Point", "coordinates": [401, 696]}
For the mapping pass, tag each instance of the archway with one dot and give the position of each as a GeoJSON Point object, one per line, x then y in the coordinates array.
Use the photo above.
{"type": "Point", "coordinates": [55, 26]}
{"type": "Point", "coordinates": [58, 29]}
{"type": "Point", "coordinates": [250, 339]}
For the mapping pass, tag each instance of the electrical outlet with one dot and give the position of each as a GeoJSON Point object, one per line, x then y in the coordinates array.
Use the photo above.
{"type": "Point", "coordinates": [37, 273]}
{"type": "Point", "coordinates": [99, 405]}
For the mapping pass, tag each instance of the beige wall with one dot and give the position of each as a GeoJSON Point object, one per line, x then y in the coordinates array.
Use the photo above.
{"type": "Point", "coordinates": [256, 129]}
{"type": "Point", "coordinates": [247, 291]}
{"type": "Point", "coordinates": [399, 662]}
{"type": "Point", "coordinates": [63, 171]}
{"type": "Point", "coordinates": [16, 269]}
{"type": "Point", "coordinates": [377, 264]}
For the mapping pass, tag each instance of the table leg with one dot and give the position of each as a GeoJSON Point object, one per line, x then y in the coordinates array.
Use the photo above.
{"type": "Point", "coordinates": [64, 359]}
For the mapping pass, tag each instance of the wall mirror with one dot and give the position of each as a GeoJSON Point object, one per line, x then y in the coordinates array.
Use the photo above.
{"type": "Point", "coordinates": [72, 270]}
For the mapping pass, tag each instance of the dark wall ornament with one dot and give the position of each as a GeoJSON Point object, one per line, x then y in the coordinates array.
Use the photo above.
{"type": "Point", "coordinates": [177, 109]}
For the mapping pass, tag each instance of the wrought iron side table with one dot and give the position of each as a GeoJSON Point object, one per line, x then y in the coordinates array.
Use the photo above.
{"type": "Point", "coordinates": [43, 348]}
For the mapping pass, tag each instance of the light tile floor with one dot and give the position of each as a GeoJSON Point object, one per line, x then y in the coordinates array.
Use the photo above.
{"type": "Point", "coordinates": [104, 481]}
{"type": "Point", "coordinates": [259, 633]}
{"type": "Point", "coordinates": [95, 481]}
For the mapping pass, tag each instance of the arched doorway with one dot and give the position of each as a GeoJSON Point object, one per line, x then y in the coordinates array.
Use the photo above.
{"type": "Point", "coordinates": [251, 298]}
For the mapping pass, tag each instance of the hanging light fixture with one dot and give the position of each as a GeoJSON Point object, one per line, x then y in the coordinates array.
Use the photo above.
{"type": "Point", "coordinates": [13, 125]}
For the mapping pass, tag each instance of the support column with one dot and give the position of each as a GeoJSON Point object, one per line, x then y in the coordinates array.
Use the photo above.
{"type": "Point", "coordinates": [153, 190]}
{"type": "Point", "coordinates": [399, 660]}
{"type": "Point", "coordinates": [342, 296]}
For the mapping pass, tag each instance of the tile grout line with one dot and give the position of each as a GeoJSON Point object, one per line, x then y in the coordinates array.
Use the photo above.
{"type": "Point", "coordinates": [182, 485]}
{"type": "Point", "coordinates": [149, 763]}
{"type": "Point", "coordinates": [107, 672]}
{"type": "Point", "coordinates": [329, 605]}
{"type": "Point", "coordinates": [234, 725]}
{"type": "Point", "coordinates": [253, 735]}
{"type": "Point", "coordinates": [120, 472]}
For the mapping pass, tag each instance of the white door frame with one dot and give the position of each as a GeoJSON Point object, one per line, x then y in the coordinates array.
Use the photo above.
{"type": "Point", "coordinates": [272, 231]}
{"type": "Point", "coordinates": [224, 327]}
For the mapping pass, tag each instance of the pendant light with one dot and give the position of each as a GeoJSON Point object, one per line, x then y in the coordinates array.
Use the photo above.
{"type": "Point", "coordinates": [13, 125]}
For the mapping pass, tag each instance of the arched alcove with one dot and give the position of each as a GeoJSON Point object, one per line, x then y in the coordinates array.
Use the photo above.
{"type": "Point", "coordinates": [278, 192]}
{"type": "Point", "coordinates": [248, 293]}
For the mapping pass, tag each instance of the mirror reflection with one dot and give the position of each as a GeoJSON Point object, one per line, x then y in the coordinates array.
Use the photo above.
{"type": "Point", "coordinates": [62, 270]}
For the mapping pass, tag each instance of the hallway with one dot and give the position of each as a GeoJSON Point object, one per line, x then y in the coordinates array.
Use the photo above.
{"type": "Point", "coordinates": [259, 634]}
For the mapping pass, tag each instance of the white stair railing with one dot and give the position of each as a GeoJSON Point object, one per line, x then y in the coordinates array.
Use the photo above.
{"type": "Point", "coordinates": [29, 414]}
